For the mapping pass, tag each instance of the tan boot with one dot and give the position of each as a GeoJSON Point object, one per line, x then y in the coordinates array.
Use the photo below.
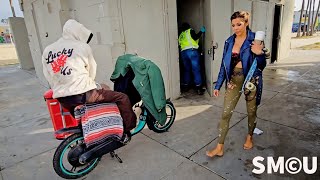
{"type": "Point", "coordinates": [249, 143]}
{"type": "Point", "coordinates": [218, 151]}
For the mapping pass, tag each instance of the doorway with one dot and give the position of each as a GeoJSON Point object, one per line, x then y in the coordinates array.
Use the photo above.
{"type": "Point", "coordinates": [276, 33]}
{"type": "Point", "coordinates": [192, 12]}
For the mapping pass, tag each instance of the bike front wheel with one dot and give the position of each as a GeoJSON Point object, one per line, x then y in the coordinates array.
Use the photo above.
{"type": "Point", "coordinates": [155, 126]}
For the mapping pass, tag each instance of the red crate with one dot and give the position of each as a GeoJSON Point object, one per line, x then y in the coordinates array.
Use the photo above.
{"type": "Point", "coordinates": [60, 117]}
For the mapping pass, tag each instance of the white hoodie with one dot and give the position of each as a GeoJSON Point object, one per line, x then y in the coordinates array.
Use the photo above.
{"type": "Point", "coordinates": [68, 63]}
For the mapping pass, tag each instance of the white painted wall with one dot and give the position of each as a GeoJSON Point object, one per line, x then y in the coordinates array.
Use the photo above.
{"type": "Point", "coordinates": [20, 34]}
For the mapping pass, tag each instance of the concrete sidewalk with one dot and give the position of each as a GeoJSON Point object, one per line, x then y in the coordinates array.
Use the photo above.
{"type": "Point", "coordinates": [299, 42]}
{"type": "Point", "coordinates": [289, 116]}
{"type": "Point", "coordinates": [8, 54]}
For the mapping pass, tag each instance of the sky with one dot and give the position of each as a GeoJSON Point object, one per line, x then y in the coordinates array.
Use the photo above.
{"type": "Point", "coordinates": [5, 10]}
{"type": "Point", "coordinates": [298, 4]}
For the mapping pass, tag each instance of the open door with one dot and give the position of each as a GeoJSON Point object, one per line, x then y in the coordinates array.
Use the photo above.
{"type": "Point", "coordinates": [208, 44]}
{"type": "Point", "coordinates": [217, 22]}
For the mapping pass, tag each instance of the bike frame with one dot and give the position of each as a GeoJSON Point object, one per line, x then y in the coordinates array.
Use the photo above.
{"type": "Point", "coordinates": [142, 122]}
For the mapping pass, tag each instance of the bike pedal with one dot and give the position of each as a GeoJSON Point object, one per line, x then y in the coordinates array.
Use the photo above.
{"type": "Point", "coordinates": [126, 139]}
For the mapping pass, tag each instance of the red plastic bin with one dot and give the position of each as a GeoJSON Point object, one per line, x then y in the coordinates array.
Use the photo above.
{"type": "Point", "coordinates": [60, 117]}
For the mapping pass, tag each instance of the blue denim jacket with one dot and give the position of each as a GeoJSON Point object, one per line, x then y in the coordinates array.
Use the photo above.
{"type": "Point", "coordinates": [246, 57]}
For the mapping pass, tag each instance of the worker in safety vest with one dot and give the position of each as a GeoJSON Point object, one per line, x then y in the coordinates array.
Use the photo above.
{"type": "Point", "coordinates": [189, 44]}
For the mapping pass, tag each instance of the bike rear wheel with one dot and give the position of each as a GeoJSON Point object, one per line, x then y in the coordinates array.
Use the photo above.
{"type": "Point", "coordinates": [66, 158]}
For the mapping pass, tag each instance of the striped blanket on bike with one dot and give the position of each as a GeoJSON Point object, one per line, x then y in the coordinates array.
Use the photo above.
{"type": "Point", "coordinates": [99, 122]}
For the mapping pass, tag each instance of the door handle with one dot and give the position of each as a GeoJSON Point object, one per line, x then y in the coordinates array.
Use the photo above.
{"type": "Point", "coordinates": [215, 46]}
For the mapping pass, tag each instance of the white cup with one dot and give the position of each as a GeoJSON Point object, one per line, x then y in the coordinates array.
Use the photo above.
{"type": "Point", "coordinates": [260, 35]}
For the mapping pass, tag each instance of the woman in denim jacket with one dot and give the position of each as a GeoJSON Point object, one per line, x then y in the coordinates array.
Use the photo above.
{"type": "Point", "coordinates": [238, 56]}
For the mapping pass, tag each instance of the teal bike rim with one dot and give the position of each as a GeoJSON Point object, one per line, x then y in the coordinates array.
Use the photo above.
{"type": "Point", "coordinates": [171, 121]}
{"type": "Point", "coordinates": [68, 172]}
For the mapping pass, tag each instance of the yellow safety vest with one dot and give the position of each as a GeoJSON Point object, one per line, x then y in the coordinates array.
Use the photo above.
{"type": "Point", "coordinates": [186, 41]}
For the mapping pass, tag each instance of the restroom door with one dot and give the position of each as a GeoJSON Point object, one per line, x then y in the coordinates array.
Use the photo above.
{"type": "Point", "coordinates": [208, 44]}
{"type": "Point", "coordinates": [221, 30]}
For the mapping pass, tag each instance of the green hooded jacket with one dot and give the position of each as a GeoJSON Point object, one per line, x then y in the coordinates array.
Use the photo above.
{"type": "Point", "coordinates": [148, 82]}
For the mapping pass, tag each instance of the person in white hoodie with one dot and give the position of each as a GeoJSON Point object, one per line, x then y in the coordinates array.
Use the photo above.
{"type": "Point", "coordinates": [70, 69]}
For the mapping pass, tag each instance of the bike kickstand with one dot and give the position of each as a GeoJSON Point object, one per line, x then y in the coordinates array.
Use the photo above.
{"type": "Point", "coordinates": [113, 154]}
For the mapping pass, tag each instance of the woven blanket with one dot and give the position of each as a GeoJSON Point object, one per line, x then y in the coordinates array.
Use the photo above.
{"type": "Point", "coordinates": [99, 122]}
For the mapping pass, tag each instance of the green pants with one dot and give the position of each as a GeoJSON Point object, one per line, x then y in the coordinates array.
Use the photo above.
{"type": "Point", "coordinates": [231, 99]}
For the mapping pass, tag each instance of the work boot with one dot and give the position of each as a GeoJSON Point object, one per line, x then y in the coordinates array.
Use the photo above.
{"type": "Point", "coordinates": [185, 88]}
{"type": "Point", "coordinates": [200, 90]}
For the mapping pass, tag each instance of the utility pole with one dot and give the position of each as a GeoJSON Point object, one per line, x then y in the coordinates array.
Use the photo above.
{"type": "Point", "coordinates": [309, 19]}
{"type": "Point", "coordinates": [305, 20]}
{"type": "Point", "coordinates": [12, 9]}
{"type": "Point", "coordinates": [312, 20]}
{"type": "Point", "coordinates": [300, 19]}
{"type": "Point", "coordinates": [316, 18]}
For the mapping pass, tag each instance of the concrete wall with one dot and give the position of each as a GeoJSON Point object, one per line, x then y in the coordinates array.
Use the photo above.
{"type": "Point", "coordinates": [286, 27]}
{"type": "Point", "coordinates": [243, 5]}
{"type": "Point", "coordinates": [43, 24]}
{"type": "Point", "coordinates": [34, 42]}
{"type": "Point", "coordinates": [173, 51]}
{"type": "Point", "coordinates": [146, 27]}
{"type": "Point", "coordinates": [106, 20]}
{"type": "Point", "coordinates": [103, 18]}
{"type": "Point", "coordinates": [20, 34]}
